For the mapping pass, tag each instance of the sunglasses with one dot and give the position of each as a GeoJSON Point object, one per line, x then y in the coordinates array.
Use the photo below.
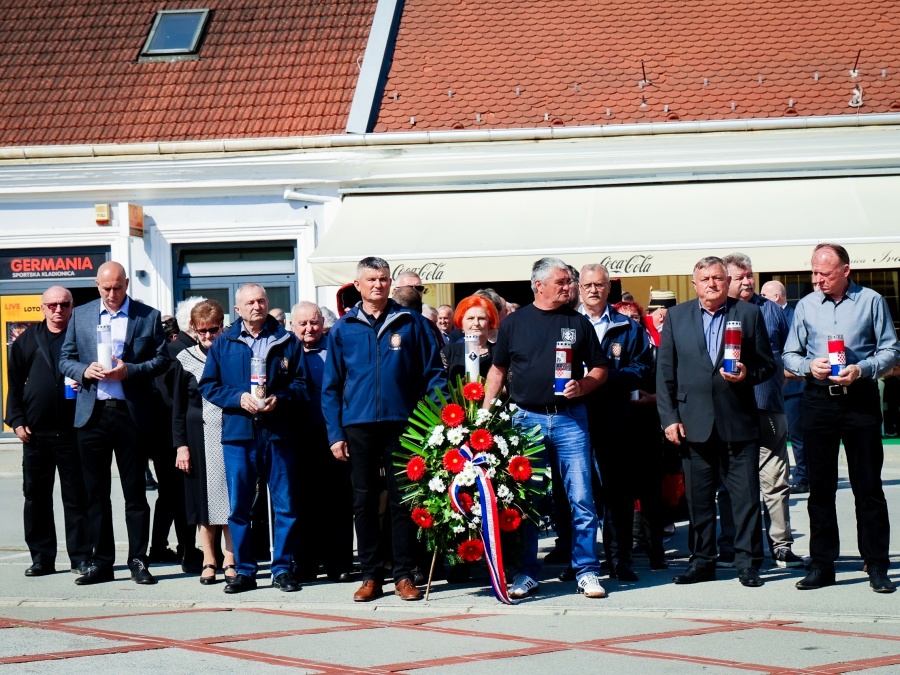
{"type": "Point", "coordinates": [53, 306]}
{"type": "Point", "coordinates": [420, 289]}
{"type": "Point", "coordinates": [209, 331]}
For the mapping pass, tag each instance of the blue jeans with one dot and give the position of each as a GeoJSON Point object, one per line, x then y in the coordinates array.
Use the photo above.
{"type": "Point", "coordinates": [568, 445]}
{"type": "Point", "coordinates": [272, 461]}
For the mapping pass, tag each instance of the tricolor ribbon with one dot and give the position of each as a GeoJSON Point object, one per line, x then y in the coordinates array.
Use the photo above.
{"type": "Point", "coordinates": [490, 526]}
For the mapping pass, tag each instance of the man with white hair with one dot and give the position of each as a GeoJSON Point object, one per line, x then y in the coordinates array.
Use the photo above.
{"type": "Point", "coordinates": [327, 536]}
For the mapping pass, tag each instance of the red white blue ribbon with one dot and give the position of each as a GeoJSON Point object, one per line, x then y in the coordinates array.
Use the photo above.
{"type": "Point", "coordinates": [490, 524]}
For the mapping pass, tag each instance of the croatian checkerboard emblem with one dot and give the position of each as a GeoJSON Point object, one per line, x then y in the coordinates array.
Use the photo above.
{"type": "Point", "coordinates": [617, 349]}
{"type": "Point", "coordinates": [395, 340]}
{"type": "Point", "coordinates": [568, 335]}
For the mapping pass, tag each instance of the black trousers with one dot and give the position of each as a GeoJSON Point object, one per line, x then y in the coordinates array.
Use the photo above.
{"type": "Point", "coordinates": [855, 419]}
{"type": "Point", "coordinates": [737, 464]}
{"type": "Point", "coordinates": [170, 507]}
{"type": "Point", "coordinates": [325, 523]}
{"type": "Point", "coordinates": [371, 455]}
{"type": "Point", "coordinates": [112, 430]}
{"type": "Point", "coordinates": [41, 458]}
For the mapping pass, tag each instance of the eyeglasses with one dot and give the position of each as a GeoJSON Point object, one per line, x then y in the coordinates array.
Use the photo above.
{"type": "Point", "coordinates": [590, 286]}
{"type": "Point", "coordinates": [421, 289]}
{"type": "Point", "coordinates": [52, 306]}
{"type": "Point", "coordinates": [208, 331]}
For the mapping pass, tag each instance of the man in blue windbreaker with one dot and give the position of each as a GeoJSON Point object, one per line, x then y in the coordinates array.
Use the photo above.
{"type": "Point", "coordinates": [258, 434]}
{"type": "Point", "coordinates": [382, 359]}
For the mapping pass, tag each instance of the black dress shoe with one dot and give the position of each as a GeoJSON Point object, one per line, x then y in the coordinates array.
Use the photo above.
{"type": "Point", "coordinates": [749, 577]}
{"type": "Point", "coordinates": [241, 583]}
{"type": "Point", "coordinates": [557, 555]}
{"type": "Point", "coordinates": [567, 574]}
{"type": "Point", "coordinates": [880, 582]}
{"type": "Point", "coordinates": [800, 488]}
{"type": "Point", "coordinates": [95, 575]}
{"type": "Point", "coordinates": [286, 583]}
{"type": "Point", "coordinates": [658, 564]}
{"type": "Point", "coordinates": [139, 572]}
{"type": "Point", "coordinates": [624, 572]}
{"type": "Point", "coordinates": [40, 570]}
{"type": "Point", "coordinates": [340, 577]}
{"type": "Point", "coordinates": [695, 574]}
{"type": "Point", "coordinates": [81, 567]}
{"type": "Point", "coordinates": [162, 555]}
{"type": "Point", "coordinates": [816, 578]}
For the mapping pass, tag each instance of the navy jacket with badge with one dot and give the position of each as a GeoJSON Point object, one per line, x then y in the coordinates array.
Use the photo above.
{"type": "Point", "coordinates": [379, 378]}
{"type": "Point", "coordinates": [630, 356]}
{"type": "Point", "coordinates": [227, 376]}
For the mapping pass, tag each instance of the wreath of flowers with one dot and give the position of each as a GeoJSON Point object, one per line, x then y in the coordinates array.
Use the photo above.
{"type": "Point", "coordinates": [435, 446]}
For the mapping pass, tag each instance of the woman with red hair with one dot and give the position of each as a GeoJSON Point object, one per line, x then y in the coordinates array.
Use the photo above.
{"type": "Point", "coordinates": [475, 315]}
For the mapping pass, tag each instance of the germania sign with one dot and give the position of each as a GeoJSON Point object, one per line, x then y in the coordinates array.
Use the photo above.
{"type": "Point", "coordinates": [50, 266]}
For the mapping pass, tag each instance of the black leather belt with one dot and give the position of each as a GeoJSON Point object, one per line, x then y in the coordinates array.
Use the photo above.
{"type": "Point", "coordinates": [839, 390]}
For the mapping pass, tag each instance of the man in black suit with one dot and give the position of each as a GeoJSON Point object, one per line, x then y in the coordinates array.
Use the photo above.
{"type": "Point", "coordinates": [114, 414]}
{"type": "Point", "coordinates": [449, 334]}
{"type": "Point", "coordinates": [712, 414]}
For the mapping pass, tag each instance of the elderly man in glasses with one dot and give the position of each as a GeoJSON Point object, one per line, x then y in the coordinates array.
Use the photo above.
{"type": "Point", "coordinates": [40, 407]}
{"type": "Point", "coordinates": [409, 279]}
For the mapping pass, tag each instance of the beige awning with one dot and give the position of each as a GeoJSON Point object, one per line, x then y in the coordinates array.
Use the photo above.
{"type": "Point", "coordinates": [643, 230]}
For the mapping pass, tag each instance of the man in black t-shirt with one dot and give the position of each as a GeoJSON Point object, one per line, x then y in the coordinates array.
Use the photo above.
{"type": "Point", "coordinates": [527, 352]}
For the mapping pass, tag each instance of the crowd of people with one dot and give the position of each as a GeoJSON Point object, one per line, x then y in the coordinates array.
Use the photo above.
{"type": "Point", "coordinates": [291, 428]}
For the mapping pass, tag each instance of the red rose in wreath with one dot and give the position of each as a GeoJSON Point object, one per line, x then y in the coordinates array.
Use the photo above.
{"type": "Point", "coordinates": [465, 501]}
{"type": "Point", "coordinates": [422, 518]}
{"type": "Point", "coordinates": [474, 391]}
{"type": "Point", "coordinates": [481, 440]}
{"type": "Point", "coordinates": [471, 550]}
{"type": "Point", "coordinates": [520, 468]}
{"type": "Point", "coordinates": [453, 415]}
{"type": "Point", "coordinates": [509, 520]}
{"type": "Point", "coordinates": [454, 461]}
{"type": "Point", "coordinates": [415, 468]}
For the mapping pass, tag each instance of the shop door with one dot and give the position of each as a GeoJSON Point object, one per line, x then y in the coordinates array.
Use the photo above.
{"type": "Point", "coordinates": [218, 273]}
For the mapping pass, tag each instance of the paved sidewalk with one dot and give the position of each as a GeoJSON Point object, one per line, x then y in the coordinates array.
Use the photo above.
{"type": "Point", "coordinates": [51, 625]}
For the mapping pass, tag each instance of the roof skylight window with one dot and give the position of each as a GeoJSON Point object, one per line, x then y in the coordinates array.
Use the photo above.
{"type": "Point", "coordinates": [176, 32]}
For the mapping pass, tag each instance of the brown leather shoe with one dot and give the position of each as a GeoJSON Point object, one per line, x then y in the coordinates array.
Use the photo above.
{"type": "Point", "coordinates": [370, 590]}
{"type": "Point", "coordinates": [407, 590]}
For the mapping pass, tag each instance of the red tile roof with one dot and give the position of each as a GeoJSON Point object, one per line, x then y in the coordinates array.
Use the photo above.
{"type": "Point", "coordinates": [531, 63]}
{"type": "Point", "coordinates": [69, 71]}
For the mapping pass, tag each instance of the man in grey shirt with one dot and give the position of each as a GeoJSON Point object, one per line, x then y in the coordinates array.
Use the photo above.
{"type": "Point", "coordinates": [843, 408]}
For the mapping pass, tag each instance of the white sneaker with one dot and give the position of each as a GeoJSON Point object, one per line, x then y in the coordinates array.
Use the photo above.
{"type": "Point", "coordinates": [522, 586]}
{"type": "Point", "coordinates": [589, 584]}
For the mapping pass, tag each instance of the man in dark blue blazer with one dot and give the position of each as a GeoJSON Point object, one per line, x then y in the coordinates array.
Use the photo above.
{"type": "Point", "coordinates": [712, 414]}
{"type": "Point", "coordinates": [113, 413]}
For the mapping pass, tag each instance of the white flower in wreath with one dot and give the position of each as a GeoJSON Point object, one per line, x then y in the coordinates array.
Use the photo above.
{"type": "Point", "coordinates": [459, 529]}
{"type": "Point", "coordinates": [473, 525]}
{"type": "Point", "coordinates": [437, 436]}
{"type": "Point", "coordinates": [482, 416]}
{"type": "Point", "coordinates": [500, 442]}
{"type": "Point", "coordinates": [467, 475]}
{"type": "Point", "coordinates": [436, 485]}
{"type": "Point", "coordinates": [513, 407]}
{"type": "Point", "coordinates": [476, 509]}
{"type": "Point", "coordinates": [503, 492]}
{"type": "Point", "coordinates": [491, 473]}
{"type": "Point", "coordinates": [476, 521]}
{"type": "Point", "coordinates": [504, 416]}
{"type": "Point", "coordinates": [492, 459]}
{"type": "Point", "coordinates": [456, 515]}
{"type": "Point", "coordinates": [455, 436]}
{"type": "Point", "coordinates": [514, 441]}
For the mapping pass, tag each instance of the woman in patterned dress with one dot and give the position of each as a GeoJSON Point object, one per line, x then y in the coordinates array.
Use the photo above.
{"type": "Point", "coordinates": [197, 432]}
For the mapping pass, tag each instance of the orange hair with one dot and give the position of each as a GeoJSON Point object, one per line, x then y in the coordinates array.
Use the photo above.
{"type": "Point", "coordinates": [476, 301]}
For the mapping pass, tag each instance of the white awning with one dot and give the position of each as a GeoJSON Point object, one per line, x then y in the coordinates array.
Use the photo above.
{"type": "Point", "coordinates": [642, 230]}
